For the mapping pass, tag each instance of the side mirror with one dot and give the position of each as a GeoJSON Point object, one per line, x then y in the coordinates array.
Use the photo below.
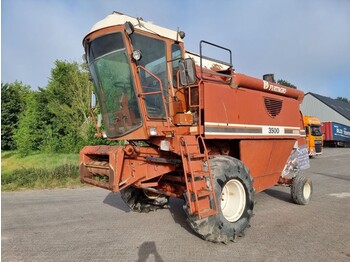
{"type": "Point", "coordinates": [187, 72]}
{"type": "Point", "coordinates": [93, 101]}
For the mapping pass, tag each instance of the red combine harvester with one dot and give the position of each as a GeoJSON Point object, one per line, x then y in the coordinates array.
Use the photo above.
{"type": "Point", "coordinates": [202, 133]}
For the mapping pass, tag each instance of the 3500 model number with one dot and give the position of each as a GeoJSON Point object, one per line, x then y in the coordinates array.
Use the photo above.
{"type": "Point", "coordinates": [273, 130]}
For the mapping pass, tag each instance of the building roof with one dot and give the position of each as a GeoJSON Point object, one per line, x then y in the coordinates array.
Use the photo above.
{"type": "Point", "coordinates": [341, 107]}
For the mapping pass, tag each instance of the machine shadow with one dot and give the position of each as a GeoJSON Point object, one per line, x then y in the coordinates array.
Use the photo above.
{"type": "Point", "coordinates": [114, 200]}
{"type": "Point", "coordinates": [179, 215]}
{"type": "Point", "coordinates": [175, 208]}
{"type": "Point", "coordinates": [278, 194]}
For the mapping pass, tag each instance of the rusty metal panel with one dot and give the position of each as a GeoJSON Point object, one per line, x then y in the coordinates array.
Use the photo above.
{"type": "Point", "coordinates": [183, 119]}
{"type": "Point", "coordinates": [116, 167]}
{"type": "Point", "coordinates": [98, 166]}
{"type": "Point", "coordinates": [265, 160]}
{"type": "Point", "coordinates": [244, 113]}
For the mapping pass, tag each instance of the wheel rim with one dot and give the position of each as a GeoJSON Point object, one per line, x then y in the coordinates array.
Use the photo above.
{"type": "Point", "coordinates": [150, 194]}
{"type": "Point", "coordinates": [307, 190]}
{"type": "Point", "coordinates": [233, 200]}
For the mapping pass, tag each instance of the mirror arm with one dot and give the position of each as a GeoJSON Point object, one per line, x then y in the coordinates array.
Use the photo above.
{"type": "Point", "coordinates": [92, 101]}
{"type": "Point", "coordinates": [97, 122]}
{"type": "Point", "coordinates": [98, 131]}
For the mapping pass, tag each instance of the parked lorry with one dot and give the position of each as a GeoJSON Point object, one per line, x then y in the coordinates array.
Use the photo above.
{"type": "Point", "coordinates": [336, 134]}
{"type": "Point", "coordinates": [201, 133]}
{"type": "Point", "coordinates": [313, 135]}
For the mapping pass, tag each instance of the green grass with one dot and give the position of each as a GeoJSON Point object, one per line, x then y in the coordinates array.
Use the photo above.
{"type": "Point", "coordinates": [38, 171]}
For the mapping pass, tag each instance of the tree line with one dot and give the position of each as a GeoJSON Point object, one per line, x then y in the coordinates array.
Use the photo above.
{"type": "Point", "coordinates": [55, 118]}
{"type": "Point", "coordinates": [51, 119]}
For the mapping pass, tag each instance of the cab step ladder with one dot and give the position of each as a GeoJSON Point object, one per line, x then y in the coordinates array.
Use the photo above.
{"type": "Point", "coordinates": [200, 193]}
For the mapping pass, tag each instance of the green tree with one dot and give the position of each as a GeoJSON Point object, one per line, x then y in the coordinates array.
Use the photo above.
{"type": "Point", "coordinates": [343, 99]}
{"type": "Point", "coordinates": [12, 105]}
{"type": "Point", "coordinates": [68, 94]}
{"type": "Point", "coordinates": [56, 119]}
{"type": "Point", "coordinates": [30, 133]}
{"type": "Point", "coordinates": [286, 83]}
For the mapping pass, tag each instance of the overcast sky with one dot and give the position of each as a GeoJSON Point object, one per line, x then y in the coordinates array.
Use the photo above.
{"type": "Point", "coordinates": [305, 42]}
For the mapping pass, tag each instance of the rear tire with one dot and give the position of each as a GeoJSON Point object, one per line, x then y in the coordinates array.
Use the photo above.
{"type": "Point", "coordinates": [138, 201]}
{"type": "Point", "coordinates": [301, 190]}
{"type": "Point", "coordinates": [235, 199]}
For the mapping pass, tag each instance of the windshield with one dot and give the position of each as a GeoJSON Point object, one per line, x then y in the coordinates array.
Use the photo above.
{"type": "Point", "coordinates": [316, 130]}
{"type": "Point", "coordinates": [153, 60]}
{"type": "Point", "coordinates": [113, 83]}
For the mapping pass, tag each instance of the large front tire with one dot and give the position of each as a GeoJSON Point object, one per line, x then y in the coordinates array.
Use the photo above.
{"type": "Point", "coordinates": [140, 201]}
{"type": "Point", "coordinates": [235, 200]}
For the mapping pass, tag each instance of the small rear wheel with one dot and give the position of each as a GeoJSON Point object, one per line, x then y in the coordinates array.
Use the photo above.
{"type": "Point", "coordinates": [301, 190]}
{"type": "Point", "coordinates": [139, 200]}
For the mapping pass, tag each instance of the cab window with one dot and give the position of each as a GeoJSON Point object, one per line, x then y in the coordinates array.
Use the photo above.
{"type": "Point", "coordinates": [175, 57]}
{"type": "Point", "coordinates": [154, 61]}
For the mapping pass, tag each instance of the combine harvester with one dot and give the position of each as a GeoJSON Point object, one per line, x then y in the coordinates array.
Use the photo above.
{"type": "Point", "coordinates": [204, 133]}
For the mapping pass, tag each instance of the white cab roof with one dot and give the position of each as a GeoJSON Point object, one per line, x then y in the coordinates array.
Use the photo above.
{"type": "Point", "coordinates": [119, 19]}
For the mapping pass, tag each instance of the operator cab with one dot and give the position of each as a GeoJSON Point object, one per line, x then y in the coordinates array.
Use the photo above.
{"type": "Point", "coordinates": [133, 65]}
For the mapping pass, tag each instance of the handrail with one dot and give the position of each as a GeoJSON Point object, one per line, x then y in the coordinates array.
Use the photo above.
{"type": "Point", "coordinates": [193, 185]}
{"type": "Point", "coordinates": [203, 70]}
{"type": "Point", "coordinates": [216, 60]}
{"type": "Point", "coordinates": [200, 138]}
{"type": "Point", "coordinates": [156, 92]}
{"type": "Point", "coordinates": [150, 93]}
{"type": "Point", "coordinates": [215, 73]}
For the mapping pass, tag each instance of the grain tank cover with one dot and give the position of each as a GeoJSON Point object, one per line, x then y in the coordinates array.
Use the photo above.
{"type": "Point", "coordinates": [117, 18]}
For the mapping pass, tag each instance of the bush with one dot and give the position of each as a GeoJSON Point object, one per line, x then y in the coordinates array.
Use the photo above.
{"type": "Point", "coordinates": [31, 178]}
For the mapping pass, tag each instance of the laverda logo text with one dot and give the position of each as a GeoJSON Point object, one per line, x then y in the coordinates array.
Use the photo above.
{"type": "Point", "coordinates": [274, 88]}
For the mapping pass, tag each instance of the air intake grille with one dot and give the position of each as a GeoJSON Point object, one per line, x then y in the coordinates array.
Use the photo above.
{"type": "Point", "coordinates": [273, 106]}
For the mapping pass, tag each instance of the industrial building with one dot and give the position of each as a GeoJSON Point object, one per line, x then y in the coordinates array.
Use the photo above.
{"type": "Point", "coordinates": [326, 109]}
{"type": "Point", "coordinates": [334, 116]}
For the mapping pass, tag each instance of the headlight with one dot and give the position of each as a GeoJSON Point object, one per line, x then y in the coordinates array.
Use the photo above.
{"type": "Point", "coordinates": [153, 131]}
{"type": "Point", "coordinates": [136, 55]}
{"type": "Point", "coordinates": [165, 145]}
